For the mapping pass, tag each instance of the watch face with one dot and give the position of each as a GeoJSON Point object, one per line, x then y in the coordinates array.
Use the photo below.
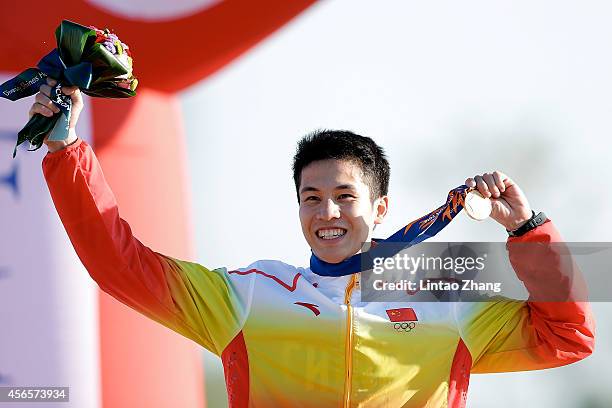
{"type": "Point", "coordinates": [537, 220]}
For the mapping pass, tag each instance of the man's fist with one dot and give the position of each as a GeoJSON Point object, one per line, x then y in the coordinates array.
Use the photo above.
{"type": "Point", "coordinates": [44, 105]}
{"type": "Point", "coordinates": [510, 206]}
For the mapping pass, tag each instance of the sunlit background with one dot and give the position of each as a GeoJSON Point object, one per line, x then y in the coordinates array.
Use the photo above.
{"type": "Point", "coordinates": [450, 89]}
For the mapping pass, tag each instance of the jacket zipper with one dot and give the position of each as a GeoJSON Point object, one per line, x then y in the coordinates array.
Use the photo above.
{"type": "Point", "coordinates": [348, 350]}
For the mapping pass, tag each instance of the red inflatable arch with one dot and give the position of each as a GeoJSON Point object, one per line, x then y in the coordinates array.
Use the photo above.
{"type": "Point", "coordinates": [140, 143]}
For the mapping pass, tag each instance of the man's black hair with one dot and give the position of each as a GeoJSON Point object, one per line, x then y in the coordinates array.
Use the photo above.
{"type": "Point", "coordinates": [344, 145]}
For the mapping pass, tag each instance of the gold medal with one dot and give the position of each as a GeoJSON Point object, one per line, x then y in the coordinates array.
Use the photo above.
{"type": "Point", "coordinates": [476, 206]}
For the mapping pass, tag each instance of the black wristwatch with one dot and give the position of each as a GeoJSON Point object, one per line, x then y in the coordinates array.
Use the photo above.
{"type": "Point", "coordinates": [534, 221]}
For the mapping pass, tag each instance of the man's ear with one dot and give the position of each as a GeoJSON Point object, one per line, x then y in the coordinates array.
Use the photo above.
{"type": "Point", "coordinates": [382, 206]}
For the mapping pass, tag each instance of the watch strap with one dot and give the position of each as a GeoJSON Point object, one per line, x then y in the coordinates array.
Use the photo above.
{"type": "Point", "coordinates": [533, 222]}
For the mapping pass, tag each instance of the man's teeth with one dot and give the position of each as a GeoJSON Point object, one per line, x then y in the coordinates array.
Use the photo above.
{"type": "Point", "coordinates": [331, 233]}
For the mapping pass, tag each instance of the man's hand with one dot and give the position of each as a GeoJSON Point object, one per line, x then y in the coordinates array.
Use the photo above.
{"type": "Point", "coordinates": [45, 107]}
{"type": "Point", "coordinates": [510, 206]}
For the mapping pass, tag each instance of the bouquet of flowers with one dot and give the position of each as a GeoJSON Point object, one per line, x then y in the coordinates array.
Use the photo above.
{"type": "Point", "coordinates": [94, 60]}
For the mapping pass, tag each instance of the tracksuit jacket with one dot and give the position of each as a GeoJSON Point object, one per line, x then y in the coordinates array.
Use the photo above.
{"type": "Point", "coordinates": [288, 337]}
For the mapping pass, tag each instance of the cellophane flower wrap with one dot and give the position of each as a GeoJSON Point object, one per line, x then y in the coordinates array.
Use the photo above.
{"type": "Point", "coordinates": [94, 60]}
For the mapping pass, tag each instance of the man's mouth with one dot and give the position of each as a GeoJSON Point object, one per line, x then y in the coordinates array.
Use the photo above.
{"type": "Point", "coordinates": [331, 233]}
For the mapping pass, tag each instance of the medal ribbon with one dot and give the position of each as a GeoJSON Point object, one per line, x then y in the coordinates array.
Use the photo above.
{"type": "Point", "coordinates": [417, 231]}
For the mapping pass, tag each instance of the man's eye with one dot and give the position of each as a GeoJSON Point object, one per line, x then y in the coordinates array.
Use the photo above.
{"type": "Point", "coordinates": [311, 198]}
{"type": "Point", "coordinates": [346, 195]}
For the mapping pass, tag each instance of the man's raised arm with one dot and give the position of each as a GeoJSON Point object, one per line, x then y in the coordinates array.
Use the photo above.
{"type": "Point", "coordinates": [200, 304]}
{"type": "Point", "coordinates": [555, 326]}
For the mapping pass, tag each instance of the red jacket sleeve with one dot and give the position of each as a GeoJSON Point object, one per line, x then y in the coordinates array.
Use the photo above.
{"type": "Point", "coordinates": [201, 304]}
{"type": "Point", "coordinates": [554, 327]}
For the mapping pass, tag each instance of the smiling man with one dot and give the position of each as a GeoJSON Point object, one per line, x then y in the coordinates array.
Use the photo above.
{"type": "Point", "coordinates": [342, 181]}
{"type": "Point", "coordinates": [301, 336]}
{"type": "Point", "coordinates": [335, 209]}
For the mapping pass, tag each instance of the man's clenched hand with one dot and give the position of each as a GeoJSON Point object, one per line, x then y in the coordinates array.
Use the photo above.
{"type": "Point", "coordinates": [45, 107]}
{"type": "Point", "coordinates": [510, 206]}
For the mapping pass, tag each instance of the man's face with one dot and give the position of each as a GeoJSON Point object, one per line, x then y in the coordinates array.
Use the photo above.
{"type": "Point", "coordinates": [336, 212]}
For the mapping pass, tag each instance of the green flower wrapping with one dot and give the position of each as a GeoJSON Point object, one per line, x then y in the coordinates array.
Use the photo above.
{"type": "Point", "coordinates": [94, 60]}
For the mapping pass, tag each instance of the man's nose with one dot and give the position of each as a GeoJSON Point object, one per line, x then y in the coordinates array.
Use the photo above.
{"type": "Point", "coordinates": [329, 210]}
